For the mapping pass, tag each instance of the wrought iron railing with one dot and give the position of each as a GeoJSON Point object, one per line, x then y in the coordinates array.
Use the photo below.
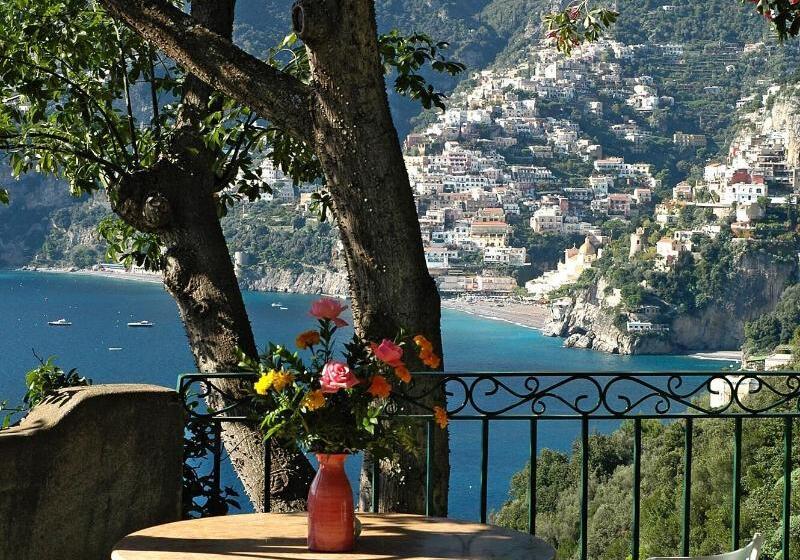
{"type": "Point", "coordinates": [585, 398]}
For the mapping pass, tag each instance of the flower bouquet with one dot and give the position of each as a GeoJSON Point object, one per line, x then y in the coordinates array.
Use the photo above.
{"type": "Point", "coordinates": [333, 406]}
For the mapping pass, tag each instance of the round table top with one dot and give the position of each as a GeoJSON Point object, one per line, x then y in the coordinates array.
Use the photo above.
{"type": "Point", "coordinates": [283, 536]}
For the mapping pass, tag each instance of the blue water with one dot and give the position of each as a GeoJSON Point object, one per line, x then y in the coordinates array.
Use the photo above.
{"type": "Point", "coordinates": [100, 309]}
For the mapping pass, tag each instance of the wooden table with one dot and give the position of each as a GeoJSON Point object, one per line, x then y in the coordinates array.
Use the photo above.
{"type": "Point", "coordinates": [283, 536]}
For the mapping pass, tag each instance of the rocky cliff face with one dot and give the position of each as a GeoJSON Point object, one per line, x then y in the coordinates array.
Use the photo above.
{"type": "Point", "coordinates": [590, 320]}
{"type": "Point", "coordinates": [782, 116]}
{"type": "Point", "coordinates": [26, 222]}
{"type": "Point", "coordinates": [311, 280]}
{"type": "Point", "coordinates": [759, 282]}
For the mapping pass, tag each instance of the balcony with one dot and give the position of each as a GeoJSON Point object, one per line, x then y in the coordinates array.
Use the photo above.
{"type": "Point", "coordinates": [530, 412]}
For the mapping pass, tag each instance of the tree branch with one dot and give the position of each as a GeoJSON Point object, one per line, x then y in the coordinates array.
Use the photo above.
{"type": "Point", "coordinates": [275, 95]}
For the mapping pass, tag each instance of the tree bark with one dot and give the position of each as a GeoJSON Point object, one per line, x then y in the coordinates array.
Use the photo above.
{"type": "Point", "coordinates": [175, 198]}
{"type": "Point", "coordinates": [356, 142]}
{"type": "Point", "coordinates": [344, 115]}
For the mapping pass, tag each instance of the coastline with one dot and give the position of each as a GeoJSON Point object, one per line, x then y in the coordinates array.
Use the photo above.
{"type": "Point", "coordinates": [148, 277]}
{"type": "Point", "coordinates": [526, 315]}
{"type": "Point", "coordinates": [530, 316]}
{"type": "Point", "coordinates": [720, 355]}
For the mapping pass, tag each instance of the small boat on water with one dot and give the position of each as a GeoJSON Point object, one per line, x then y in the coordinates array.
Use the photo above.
{"type": "Point", "coordinates": [114, 349]}
{"type": "Point", "coordinates": [60, 323]}
{"type": "Point", "coordinates": [284, 308]}
{"type": "Point", "coordinates": [141, 324]}
{"type": "Point", "coordinates": [277, 304]}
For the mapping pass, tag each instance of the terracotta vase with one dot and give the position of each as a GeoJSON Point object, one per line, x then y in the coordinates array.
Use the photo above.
{"type": "Point", "coordinates": [331, 516]}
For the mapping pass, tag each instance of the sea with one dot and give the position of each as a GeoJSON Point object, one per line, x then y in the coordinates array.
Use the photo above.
{"type": "Point", "coordinates": [100, 309]}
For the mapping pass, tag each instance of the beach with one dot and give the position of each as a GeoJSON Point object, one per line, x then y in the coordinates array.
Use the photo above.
{"type": "Point", "coordinates": [529, 315]}
{"type": "Point", "coordinates": [151, 277]}
{"type": "Point", "coordinates": [721, 355]}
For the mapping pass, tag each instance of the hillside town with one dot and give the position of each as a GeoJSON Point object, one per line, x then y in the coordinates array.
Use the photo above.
{"type": "Point", "coordinates": [494, 155]}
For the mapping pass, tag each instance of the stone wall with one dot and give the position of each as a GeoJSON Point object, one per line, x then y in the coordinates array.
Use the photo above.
{"type": "Point", "coordinates": [312, 280]}
{"type": "Point", "coordinates": [87, 467]}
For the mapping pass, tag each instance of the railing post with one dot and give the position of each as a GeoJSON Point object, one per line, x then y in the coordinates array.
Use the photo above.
{"type": "Point", "coordinates": [376, 480]}
{"type": "Point", "coordinates": [429, 467]}
{"type": "Point", "coordinates": [534, 461]}
{"type": "Point", "coordinates": [737, 483]}
{"type": "Point", "coordinates": [584, 488]}
{"type": "Point", "coordinates": [217, 458]}
{"type": "Point", "coordinates": [267, 476]}
{"type": "Point", "coordinates": [687, 488]}
{"type": "Point", "coordinates": [787, 486]}
{"type": "Point", "coordinates": [484, 467]}
{"type": "Point", "coordinates": [637, 483]}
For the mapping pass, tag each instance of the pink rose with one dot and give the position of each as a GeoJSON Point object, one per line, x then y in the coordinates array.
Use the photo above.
{"type": "Point", "coordinates": [388, 352]}
{"type": "Point", "coordinates": [328, 308]}
{"type": "Point", "coordinates": [335, 376]}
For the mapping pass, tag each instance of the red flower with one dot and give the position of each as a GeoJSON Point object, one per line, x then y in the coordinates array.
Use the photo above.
{"type": "Point", "coordinates": [388, 352]}
{"type": "Point", "coordinates": [330, 309]}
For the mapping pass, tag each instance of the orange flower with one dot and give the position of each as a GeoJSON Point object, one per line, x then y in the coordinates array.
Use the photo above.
{"type": "Point", "coordinates": [379, 388]}
{"type": "Point", "coordinates": [307, 339]}
{"type": "Point", "coordinates": [440, 415]}
{"type": "Point", "coordinates": [281, 380]}
{"type": "Point", "coordinates": [403, 374]}
{"type": "Point", "coordinates": [423, 343]}
{"type": "Point", "coordinates": [313, 400]}
{"type": "Point", "coordinates": [431, 360]}
{"type": "Point", "coordinates": [426, 353]}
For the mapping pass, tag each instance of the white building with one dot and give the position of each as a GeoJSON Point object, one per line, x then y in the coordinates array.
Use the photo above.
{"type": "Point", "coordinates": [743, 193]}
{"type": "Point", "coordinates": [548, 219]}
{"type": "Point", "coordinates": [512, 256]}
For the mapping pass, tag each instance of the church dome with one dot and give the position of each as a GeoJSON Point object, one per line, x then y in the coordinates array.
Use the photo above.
{"type": "Point", "coordinates": [587, 248]}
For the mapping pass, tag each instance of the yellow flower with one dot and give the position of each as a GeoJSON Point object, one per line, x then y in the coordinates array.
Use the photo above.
{"type": "Point", "coordinates": [307, 339]}
{"type": "Point", "coordinates": [313, 400]}
{"type": "Point", "coordinates": [264, 383]}
{"type": "Point", "coordinates": [281, 380]}
{"type": "Point", "coordinates": [440, 415]}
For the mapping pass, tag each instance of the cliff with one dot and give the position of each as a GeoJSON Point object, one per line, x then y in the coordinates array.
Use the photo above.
{"type": "Point", "coordinates": [782, 117]}
{"type": "Point", "coordinates": [308, 280]}
{"type": "Point", "coordinates": [591, 320]}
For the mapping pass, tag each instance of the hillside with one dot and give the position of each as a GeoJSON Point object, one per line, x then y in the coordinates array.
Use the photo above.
{"type": "Point", "coordinates": [694, 64]}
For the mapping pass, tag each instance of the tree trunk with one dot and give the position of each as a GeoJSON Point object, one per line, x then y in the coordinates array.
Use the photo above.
{"type": "Point", "coordinates": [175, 198]}
{"type": "Point", "coordinates": [344, 115]}
{"type": "Point", "coordinates": [357, 144]}
{"type": "Point", "coordinates": [178, 204]}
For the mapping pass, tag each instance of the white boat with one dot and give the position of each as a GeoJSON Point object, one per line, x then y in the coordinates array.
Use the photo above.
{"type": "Point", "coordinates": [284, 308]}
{"type": "Point", "coordinates": [60, 323]}
{"type": "Point", "coordinates": [141, 324]}
{"type": "Point", "coordinates": [114, 349]}
{"type": "Point", "coordinates": [276, 304]}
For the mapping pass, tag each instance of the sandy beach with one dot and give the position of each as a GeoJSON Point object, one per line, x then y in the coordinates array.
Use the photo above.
{"type": "Point", "coordinates": [530, 315]}
{"type": "Point", "coordinates": [722, 355]}
{"type": "Point", "coordinates": [151, 277]}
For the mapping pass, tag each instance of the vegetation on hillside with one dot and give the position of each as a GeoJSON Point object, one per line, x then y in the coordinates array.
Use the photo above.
{"type": "Point", "coordinates": [781, 326]}
{"type": "Point", "coordinates": [611, 479]}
